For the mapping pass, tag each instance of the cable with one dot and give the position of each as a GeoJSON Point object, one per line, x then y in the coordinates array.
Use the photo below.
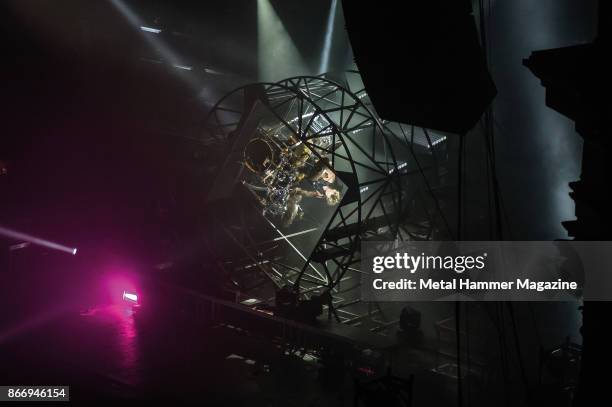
{"type": "Point", "coordinates": [518, 352]}
{"type": "Point", "coordinates": [502, 349]}
{"type": "Point", "coordinates": [467, 354]}
{"type": "Point", "coordinates": [459, 186]}
{"type": "Point", "coordinates": [457, 328]}
{"type": "Point", "coordinates": [501, 196]}
{"type": "Point", "coordinates": [489, 193]}
{"type": "Point", "coordinates": [489, 128]}
{"type": "Point", "coordinates": [425, 180]}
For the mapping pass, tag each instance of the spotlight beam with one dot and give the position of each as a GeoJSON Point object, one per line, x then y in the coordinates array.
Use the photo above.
{"type": "Point", "coordinates": [156, 43]}
{"type": "Point", "coordinates": [278, 56]}
{"type": "Point", "coordinates": [13, 234]}
{"type": "Point", "coordinates": [324, 67]}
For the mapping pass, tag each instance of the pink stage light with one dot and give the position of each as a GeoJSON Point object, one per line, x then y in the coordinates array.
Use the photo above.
{"type": "Point", "coordinates": [130, 297]}
{"type": "Point", "coordinates": [122, 286]}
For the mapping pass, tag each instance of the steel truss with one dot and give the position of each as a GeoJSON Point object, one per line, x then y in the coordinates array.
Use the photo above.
{"type": "Point", "coordinates": [382, 164]}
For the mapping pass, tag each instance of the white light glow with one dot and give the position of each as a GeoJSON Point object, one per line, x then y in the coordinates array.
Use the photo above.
{"type": "Point", "coordinates": [131, 297]}
{"type": "Point", "coordinates": [303, 116]}
{"type": "Point", "coordinates": [399, 167]}
{"type": "Point", "coordinates": [150, 30]}
{"type": "Point", "coordinates": [438, 141]}
{"type": "Point", "coordinates": [212, 71]}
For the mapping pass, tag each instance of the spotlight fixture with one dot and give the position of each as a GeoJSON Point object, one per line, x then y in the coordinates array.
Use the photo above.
{"type": "Point", "coordinates": [130, 297]}
{"type": "Point", "coordinates": [23, 237]}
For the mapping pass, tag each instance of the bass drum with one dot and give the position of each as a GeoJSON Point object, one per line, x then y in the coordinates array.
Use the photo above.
{"type": "Point", "coordinates": [260, 156]}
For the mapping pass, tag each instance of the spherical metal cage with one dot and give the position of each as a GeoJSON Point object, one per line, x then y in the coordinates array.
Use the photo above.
{"type": "Point", "coordinates": [375, 163]}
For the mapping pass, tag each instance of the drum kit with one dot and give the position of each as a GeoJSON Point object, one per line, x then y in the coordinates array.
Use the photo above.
{"type": "Point", "coordinates": [272, 162]}
{"type": "Point", "coordinates": [275, 162]}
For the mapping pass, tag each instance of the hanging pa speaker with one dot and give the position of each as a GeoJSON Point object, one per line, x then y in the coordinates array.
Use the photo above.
{"type": "Point", "coordinates": [421, 61]}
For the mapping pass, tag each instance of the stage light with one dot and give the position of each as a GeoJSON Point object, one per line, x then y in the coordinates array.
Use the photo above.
{"type": "Point", "coordinates": [212, 71]}
{"type": "Point", "coordinates": [438, 141]}
{"type": "Point", "coordinates": [130, 297]}
{"type": "Point", "coordinates": [324, 67]}
{"type": "Point", "coordinates": [13, 234]}
{"type": "Point", "coordinates": [150, 30]}
{"type": "Point", "coordinates": [187, 68]}
{"type": "Point", "coordinates": [250, 301]}
{"type": "Point", "coordinates": [74, 251]}
{"type": "Point", "coordinates": [305, 115]}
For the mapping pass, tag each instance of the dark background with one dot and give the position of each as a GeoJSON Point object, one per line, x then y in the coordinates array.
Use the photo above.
{"type": "Point", "coordinates": [101, 140]}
